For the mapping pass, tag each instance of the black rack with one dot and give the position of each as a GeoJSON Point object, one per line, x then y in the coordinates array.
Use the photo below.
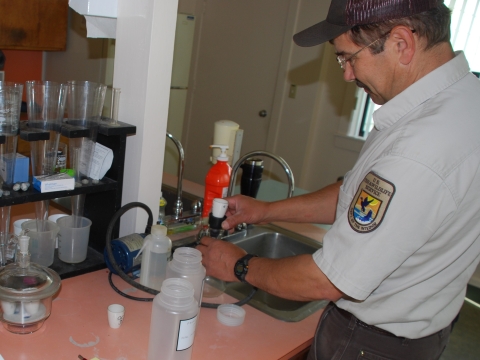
{"type": "Point", "coordinates": [102, 199]}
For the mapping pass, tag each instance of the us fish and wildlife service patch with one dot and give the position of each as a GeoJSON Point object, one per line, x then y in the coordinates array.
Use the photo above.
{"type": "Point", "coordinates": [370, 203]}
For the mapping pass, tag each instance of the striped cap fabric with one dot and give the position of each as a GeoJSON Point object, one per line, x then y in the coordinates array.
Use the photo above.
{"type": "Point", "coordinates": [345, 14]}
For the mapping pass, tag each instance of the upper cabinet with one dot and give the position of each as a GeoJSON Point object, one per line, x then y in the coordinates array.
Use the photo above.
{"type": "Point", "coordinates": [33, 24]}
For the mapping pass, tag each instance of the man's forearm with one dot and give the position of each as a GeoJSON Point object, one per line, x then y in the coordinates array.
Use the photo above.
{"type": "Point", "coordinates": [295, 278]}
{"type": "Point", "coordinates": [317, 207]}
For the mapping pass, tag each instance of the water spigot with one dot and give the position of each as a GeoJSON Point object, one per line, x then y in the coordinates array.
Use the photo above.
{"type": "Point", "coordinates": [178, 207]}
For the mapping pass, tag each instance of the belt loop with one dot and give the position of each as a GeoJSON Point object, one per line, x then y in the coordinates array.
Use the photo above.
{"type": "Point", "coordinates": [352, 323]}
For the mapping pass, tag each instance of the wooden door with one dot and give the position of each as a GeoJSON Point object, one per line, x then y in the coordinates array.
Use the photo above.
{"type": "Point", "coordinates": [235, 65]}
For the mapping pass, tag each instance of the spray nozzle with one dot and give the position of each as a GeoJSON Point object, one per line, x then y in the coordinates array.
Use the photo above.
{"type": "Point", "coordinates": [223, 152]}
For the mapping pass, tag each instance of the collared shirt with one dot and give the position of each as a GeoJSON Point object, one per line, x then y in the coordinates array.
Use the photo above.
{"type": "Point", "coordinates": [406, 239]}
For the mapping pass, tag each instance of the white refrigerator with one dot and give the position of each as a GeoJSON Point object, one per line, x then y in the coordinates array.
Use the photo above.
{"type": "Point", "coordinates": [182, 55]}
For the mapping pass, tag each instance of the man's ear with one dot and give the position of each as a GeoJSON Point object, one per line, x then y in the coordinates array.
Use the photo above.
{"type": "Point", "coordinates": [404, 43]}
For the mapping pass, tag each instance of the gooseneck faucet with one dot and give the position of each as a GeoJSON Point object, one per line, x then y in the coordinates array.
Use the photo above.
{"type": "Point", "coordinates": [283, 163]}
{"type": "Point", "coordinates": [178, 208]}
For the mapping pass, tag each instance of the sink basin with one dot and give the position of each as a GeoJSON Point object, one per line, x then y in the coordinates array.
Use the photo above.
{"type": "Point", "coordinates": [266, 241]}
{"type": "Point", "coordinates": [274, 242]}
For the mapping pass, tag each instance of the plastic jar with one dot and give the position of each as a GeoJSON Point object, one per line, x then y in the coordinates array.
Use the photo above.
{"type": "Point", "coordinates": [187, 264]}
{"type": "Point", "coordinates": [173, 321]}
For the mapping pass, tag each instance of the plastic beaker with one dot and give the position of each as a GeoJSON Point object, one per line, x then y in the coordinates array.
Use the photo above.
{"type": "Point", "coordinates": [73, 240]}
{"type": "Point", "coordinates": [42, 243]}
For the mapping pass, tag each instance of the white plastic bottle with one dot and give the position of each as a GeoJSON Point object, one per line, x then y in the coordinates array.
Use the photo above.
{"type": "Point", "coordinates": [187, 264]}
{"type": "Point", "coordinates": [173, 321]}
{"type": "Point", "coordinates": [157, 248]}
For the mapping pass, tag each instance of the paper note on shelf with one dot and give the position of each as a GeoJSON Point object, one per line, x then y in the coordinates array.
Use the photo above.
{"type": "Point", "coordinates": [101, 162]}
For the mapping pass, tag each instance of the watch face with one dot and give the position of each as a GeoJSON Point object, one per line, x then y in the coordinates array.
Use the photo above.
{"type": "Point", "coordinates": [239, 268]}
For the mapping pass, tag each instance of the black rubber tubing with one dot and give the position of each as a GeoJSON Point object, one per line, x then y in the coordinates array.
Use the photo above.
{"type": "Point", "coordinates": [127, 278]}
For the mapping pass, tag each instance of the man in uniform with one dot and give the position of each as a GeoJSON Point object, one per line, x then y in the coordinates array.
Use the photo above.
{"type": "Point", "coordinates": [406, 219]}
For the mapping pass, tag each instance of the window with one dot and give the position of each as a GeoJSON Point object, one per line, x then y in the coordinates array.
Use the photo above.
{"type": "Point", "coordinates": [465, 30]}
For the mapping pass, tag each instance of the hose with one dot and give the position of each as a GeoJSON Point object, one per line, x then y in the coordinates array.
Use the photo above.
{"type": "Point", "coordinates": [127, 278]}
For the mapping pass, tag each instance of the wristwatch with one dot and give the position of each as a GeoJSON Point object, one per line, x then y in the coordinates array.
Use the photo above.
{"type": "Point", "coordinates": [241, 267]}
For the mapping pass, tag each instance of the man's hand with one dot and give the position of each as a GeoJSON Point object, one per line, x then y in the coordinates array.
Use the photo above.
{"type": "Point", "coordinates": [219, 258]}
{"type": "Point", "coordinates": [244, 209]}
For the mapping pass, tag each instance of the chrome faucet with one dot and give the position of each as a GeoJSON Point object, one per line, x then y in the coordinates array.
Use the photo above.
{"type": "Point", "coordinates": [175, 222]}
{"type": "Point", "coordinates": [178, 208]}
{"type": "Point", "coordinates": [283, 163]}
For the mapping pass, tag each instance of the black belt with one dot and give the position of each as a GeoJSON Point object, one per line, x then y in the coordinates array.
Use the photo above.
{"type": "Point", "coordinates": [348, 316]}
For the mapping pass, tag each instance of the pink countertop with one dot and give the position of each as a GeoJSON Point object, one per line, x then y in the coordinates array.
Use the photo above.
{"type": "Point", "coordinates": [78, 326]}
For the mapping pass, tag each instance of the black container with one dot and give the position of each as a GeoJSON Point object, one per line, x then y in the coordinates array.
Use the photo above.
{"type": "Point", "coordinates": [252, 170]}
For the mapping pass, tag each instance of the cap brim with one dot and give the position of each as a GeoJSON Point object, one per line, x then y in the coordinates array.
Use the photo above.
{"type": "Point", "coordinates": [319, 33]}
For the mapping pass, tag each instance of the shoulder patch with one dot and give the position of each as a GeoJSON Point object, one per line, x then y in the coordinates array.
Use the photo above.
{"type": "Point", "coordinates": [370, 203]}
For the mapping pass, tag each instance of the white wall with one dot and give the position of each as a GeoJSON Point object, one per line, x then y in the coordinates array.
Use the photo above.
{"type": "Point", "coordinates": [142, 69]}
{"type": "Point", "coordinates": [143, 65]}
{"type": "Point", "coordinates": [302, 130]}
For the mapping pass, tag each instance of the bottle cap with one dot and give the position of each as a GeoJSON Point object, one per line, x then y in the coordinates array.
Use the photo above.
{"type": "Point", "coordinates": [219, 207]}
{"type": "Point", "coordinates": [230, 314]}
{"type": "Point", "coordinates": [159, 230]}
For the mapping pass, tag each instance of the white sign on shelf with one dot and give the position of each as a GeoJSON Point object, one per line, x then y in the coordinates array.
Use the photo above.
{"type": "Point", "coordinates": [101, 162]}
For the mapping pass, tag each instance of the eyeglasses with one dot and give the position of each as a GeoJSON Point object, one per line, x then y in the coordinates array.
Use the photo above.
{"type": "Point", "coordinates": [343, 62]}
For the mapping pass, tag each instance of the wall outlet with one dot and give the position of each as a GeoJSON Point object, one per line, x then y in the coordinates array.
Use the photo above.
{"type": "Point", "coordinates": [2, 75]}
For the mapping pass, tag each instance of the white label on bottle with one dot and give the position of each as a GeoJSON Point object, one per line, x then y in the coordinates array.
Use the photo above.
{"type": "Point", "coordinates": [224, 192]}
{"type": "Point", "coordinates": [186, 333]}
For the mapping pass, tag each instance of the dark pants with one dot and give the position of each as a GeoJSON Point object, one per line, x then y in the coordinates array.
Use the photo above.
{"type": "Point", "coordinates": [340, 335]}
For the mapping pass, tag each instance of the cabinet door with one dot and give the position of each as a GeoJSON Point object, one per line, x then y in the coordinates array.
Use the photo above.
{"type": "Point", "coordinates": [33, 24]}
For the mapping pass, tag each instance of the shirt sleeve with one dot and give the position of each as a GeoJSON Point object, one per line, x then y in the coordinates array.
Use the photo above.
{"type": "Point", "coordinates": [357, 262]}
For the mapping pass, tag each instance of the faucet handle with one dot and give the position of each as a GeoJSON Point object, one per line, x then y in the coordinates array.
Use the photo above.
{"type": "Point", "coordinates": [240, 227]}
{"type": "Point", "coordinates": [197, 206]}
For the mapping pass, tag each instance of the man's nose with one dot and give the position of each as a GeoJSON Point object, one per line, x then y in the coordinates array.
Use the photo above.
{"type": "Point", "coordinates": [348, 74]}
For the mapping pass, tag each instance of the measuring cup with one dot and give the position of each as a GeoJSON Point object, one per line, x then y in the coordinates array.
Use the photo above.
{"type": "Point", "coordinates": [42, 243]}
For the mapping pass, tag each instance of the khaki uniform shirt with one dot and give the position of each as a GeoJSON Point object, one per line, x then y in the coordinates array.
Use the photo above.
{"type": "Point", "coordinates": [406, 237]}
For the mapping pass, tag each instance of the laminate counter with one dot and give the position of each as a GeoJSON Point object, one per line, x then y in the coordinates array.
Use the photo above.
{"type": "Point", "coordinates": [78, 325]}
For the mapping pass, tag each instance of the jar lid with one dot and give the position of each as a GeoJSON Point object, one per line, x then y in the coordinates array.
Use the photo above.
{"type": "Point", "coordinates": [34, 282]}
{"type": "Point", "coordinates": [230, 314]}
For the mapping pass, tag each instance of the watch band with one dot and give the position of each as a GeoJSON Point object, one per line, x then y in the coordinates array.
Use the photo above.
{"type": "Point", "coordinates": [241, 267]}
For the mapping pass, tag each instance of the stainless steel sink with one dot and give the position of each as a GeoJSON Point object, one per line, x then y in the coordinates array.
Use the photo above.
{"type": "Point", "coordinates": [274, 242]}
{"type": "Point", "coordinates": [267, 241]}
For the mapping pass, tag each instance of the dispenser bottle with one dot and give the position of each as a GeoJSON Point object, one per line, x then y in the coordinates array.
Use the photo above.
{"type": "Point", "coordinates": [156, 249]}
{"type": "Point", "coordinates": [217, 180]}
{"type": "Point", "coordinates": [173, 321]}
{"type": "Point", "coordinates": [187, 264]}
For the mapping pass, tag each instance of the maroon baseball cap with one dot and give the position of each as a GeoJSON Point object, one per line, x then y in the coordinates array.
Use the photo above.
{"type": "Point", "coordinates": [345, 14]}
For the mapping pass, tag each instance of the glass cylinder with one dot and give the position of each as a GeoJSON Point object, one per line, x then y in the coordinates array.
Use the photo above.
{"type": "Point", "coordinates": [85, 101]}
{"type": "Point", "coordinates": [10, 104]}
{"type": "Point", "coordinates": [45, 107]}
